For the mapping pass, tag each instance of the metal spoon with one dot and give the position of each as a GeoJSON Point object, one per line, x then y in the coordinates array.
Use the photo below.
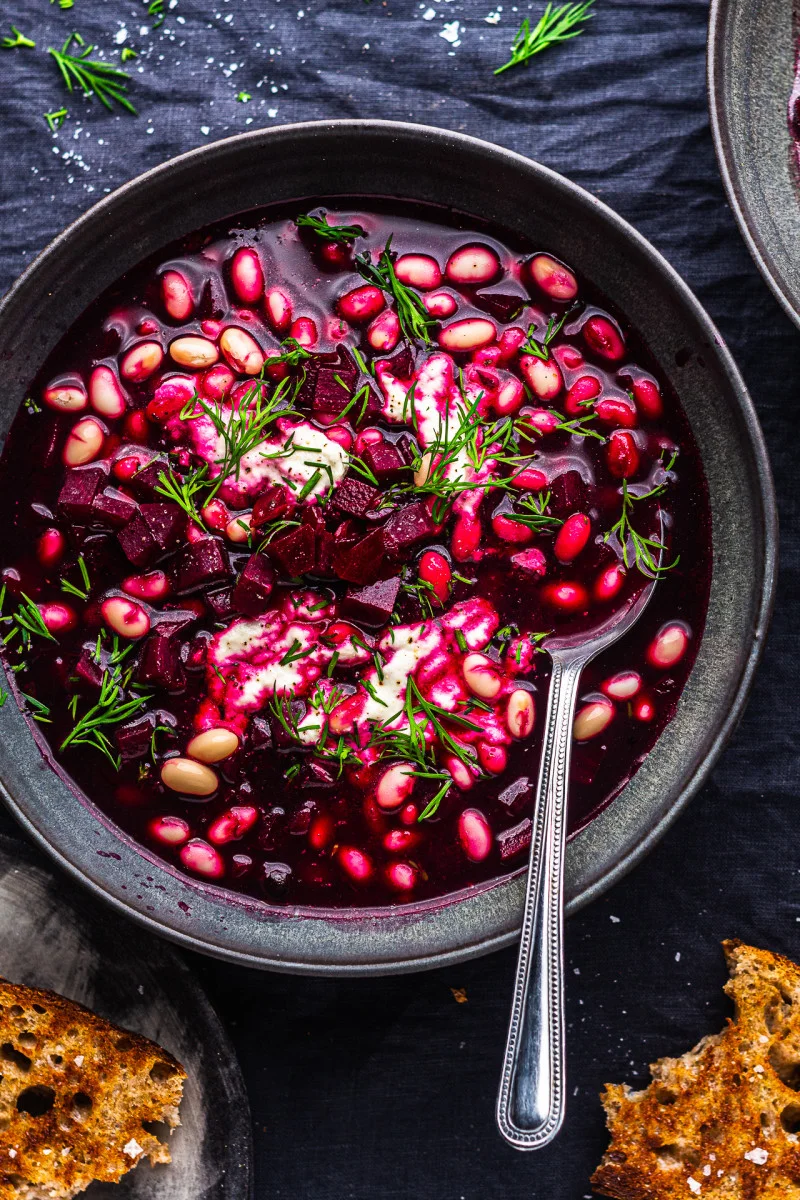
{"type": "Point", "coordinates": [530, 1106]}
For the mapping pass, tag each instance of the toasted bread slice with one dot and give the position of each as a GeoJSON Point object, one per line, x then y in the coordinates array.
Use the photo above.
{"type": "Point", "coordinates": [78, 1097]}
{"type": "Point", "coordinates": [722, 1121]}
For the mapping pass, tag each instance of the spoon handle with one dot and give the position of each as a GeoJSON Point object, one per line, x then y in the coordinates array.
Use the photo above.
{"type": "Point", "coordinates": [530, 1106]}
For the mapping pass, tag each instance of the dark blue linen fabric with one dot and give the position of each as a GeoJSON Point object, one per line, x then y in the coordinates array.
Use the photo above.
{"type": "Point", "coordinates": [385, 1088]}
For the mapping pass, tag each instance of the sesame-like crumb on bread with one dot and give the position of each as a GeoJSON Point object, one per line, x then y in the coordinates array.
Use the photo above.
{"type": "Point", "coordinates": [80, 1099]}
{"type": "Point", "coordinates": [721, 1122]}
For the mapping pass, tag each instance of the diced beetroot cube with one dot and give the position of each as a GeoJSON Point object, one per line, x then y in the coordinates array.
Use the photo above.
{"type": "Point", "coordinates": [355, 496]}
{"type": "Point", "coordinates": [133, 739]}
{"type": "Point", "coordinates": [78, 492]}
{"type": "Point", "coordinates": [314, 518]}
{"type": "Point", "coordinates": [273, 503]}
{"type": "Point", "coordinates": [166, 523]}
{"type": "Point", "coordinates": [407, 526]}
{"type": "Point", "coordinates": [513, 841]}
{"type": "Point", "coordinates": [363, 562]}
{"type": "Point", "coordinates": [295, 550]}
{"type": "Point", "coordinates": [401, 363]}
{"type": "Point", "coordinates": [146, 481]}
{"type": "Point", "coordinates": [505, 301]}
{"type": "Point", "coordinates": [160, 664]}
{"type": "Point", "coordinates": [324, 563]}
{"type": "Point", "coordinates": [407, 447]}
{"type": "Point", "coordinates": [201, 564]}
{"type": "Point", "coordinates": [137, 542]}
{"type": "Point", "coordinates": [371, 605]}
{"type": "Point", "coordinates": [385, 461]}
{"type": "Point", "coordinates": [175, 620]}
{"type": "Point", "coordinates": [220, 602]}
{"type": "Point", "coordinates": [195, 652]}
{"type": "Point", "coordinates": [567, 493]}
{"type": "Point", "coordinates": [252, 592]}
{"type": "Point", "coordinates": [88, 670]}
{"type": "Point", "coordinates": [517, 794]}
{"type": "Point", "coordinates": [334, 388]}
{"type": "Point", "coordinates": [113, 507]}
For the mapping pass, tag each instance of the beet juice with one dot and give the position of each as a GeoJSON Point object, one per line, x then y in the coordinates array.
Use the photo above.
{"type": "Point", "coordinates": [288, 514]}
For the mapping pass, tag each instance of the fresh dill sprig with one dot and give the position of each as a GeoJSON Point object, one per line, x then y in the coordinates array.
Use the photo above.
{"type": "Point", "coordinates": [110, 710]}
{"type": "Point", "coordinates": [432, 807]}
{"type": "Point", "coordinates": [183, 489]}
{"type": "Point", "coordinates": [241, 429]}
{"type": "Point", "coordinates": [580, 427]}
{"type": "Point", "coordinates": [291, 357]}
{"type": "Point", "coordinates": [56, 119]}
{"type": "Point", "coordinates": [541, 349]}
{"type": "Point", "coordinates": [647, 552]}
{"type": "Point", "coordinates": [72, 589]}
{"type": "Point", "coordinates": [534, 514]}
{"type": "Point", "coordinates": [41, 712]}
{"type": "Point", "coordinates": [25, 623]}
{"type": "Point", "coordinates": [414, 319]}
{"type": "Point", "coordinates": [463, 443]}
{"type": "Point", "coordinates": [19, 39]}
{"type": "Point", "coordinates": [93, 77]}
{"type": "Point", "coordinates": [344, 235]}
{"type": "Point", "coordinates": [554, 26]}
{"type": "Point", "coordinates": [4, 694]}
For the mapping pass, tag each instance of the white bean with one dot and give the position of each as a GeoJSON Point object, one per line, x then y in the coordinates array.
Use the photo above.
{"type": "Point", "coordinates": [125, 617]}
{"type": "Point", "coordinates": [592, 720]}
{"type": "Point", "coordinates": [194, 352]}
{"type": "Point", "coordinates": [213, 745]}
{"type": "Point", "coordinates": [481, 676]}
{"type": "Point", "coordinates": [141, 361]}
{"type": "Point", "coordinates": [520, 713]}
{"type": "Point", "coordinates": [469, 334]}
{"type": "Point", "coordinates": [84, 443]}
{"type": "Point", "coordinates": [105, 394]}
{"type": "Point", "coordinates": [395, 786]}
{"type": "Point", "coordinates": [241, 350]}
{"type": "Point", "coordinates": [188, 777]}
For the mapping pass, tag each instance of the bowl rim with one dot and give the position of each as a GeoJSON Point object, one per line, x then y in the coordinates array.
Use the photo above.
{"type": "Point", "coordinates": [763, 493]}
{"type": "Point", "coordinates": [717, 48]}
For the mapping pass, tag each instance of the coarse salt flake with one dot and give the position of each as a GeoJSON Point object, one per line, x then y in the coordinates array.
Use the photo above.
{"type": "Point", "coordinates": [757, 1156]}
{"type": "Point", "coordinates": [133, 1149]}
{"type": "Point", "coordinates": [694, 1186]}
{"type": "Point", "coordinates": [79, 1060]}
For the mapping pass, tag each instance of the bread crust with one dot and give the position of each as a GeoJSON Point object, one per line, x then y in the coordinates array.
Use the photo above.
{"type": "Point", "coordinates": [722, 1122]}
{"type": "Point", "coordinates": [75, 1094]}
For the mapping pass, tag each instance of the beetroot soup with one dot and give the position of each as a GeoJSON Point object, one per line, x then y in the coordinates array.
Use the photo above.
{"type": "Point", "coordinates": [288, 513]}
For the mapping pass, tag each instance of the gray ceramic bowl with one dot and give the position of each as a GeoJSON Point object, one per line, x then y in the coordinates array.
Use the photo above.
{"type": "Point", "coordinates": [751, 48]}
{"type": "Point", "coordinates": [384, 158]}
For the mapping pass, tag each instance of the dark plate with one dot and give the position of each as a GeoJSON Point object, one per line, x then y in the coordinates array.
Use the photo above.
{"type": "Point", "coordinates": [417, 162]}
{"type": "Point", "coordinates": [751, 47]}
{"type": "Point", "coordinates": [53, 936]}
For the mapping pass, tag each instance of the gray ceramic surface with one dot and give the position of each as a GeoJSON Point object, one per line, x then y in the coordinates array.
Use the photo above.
{"type": "Point", "coordinates": [751, 48]}
{"type": "Point", "coordinates": [417, 162]}
{"type": "Point", "coordinates": [53, 937]}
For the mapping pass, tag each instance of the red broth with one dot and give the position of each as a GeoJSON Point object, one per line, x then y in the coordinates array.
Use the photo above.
{"type": "Point", "coordinates": [296, 514]}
